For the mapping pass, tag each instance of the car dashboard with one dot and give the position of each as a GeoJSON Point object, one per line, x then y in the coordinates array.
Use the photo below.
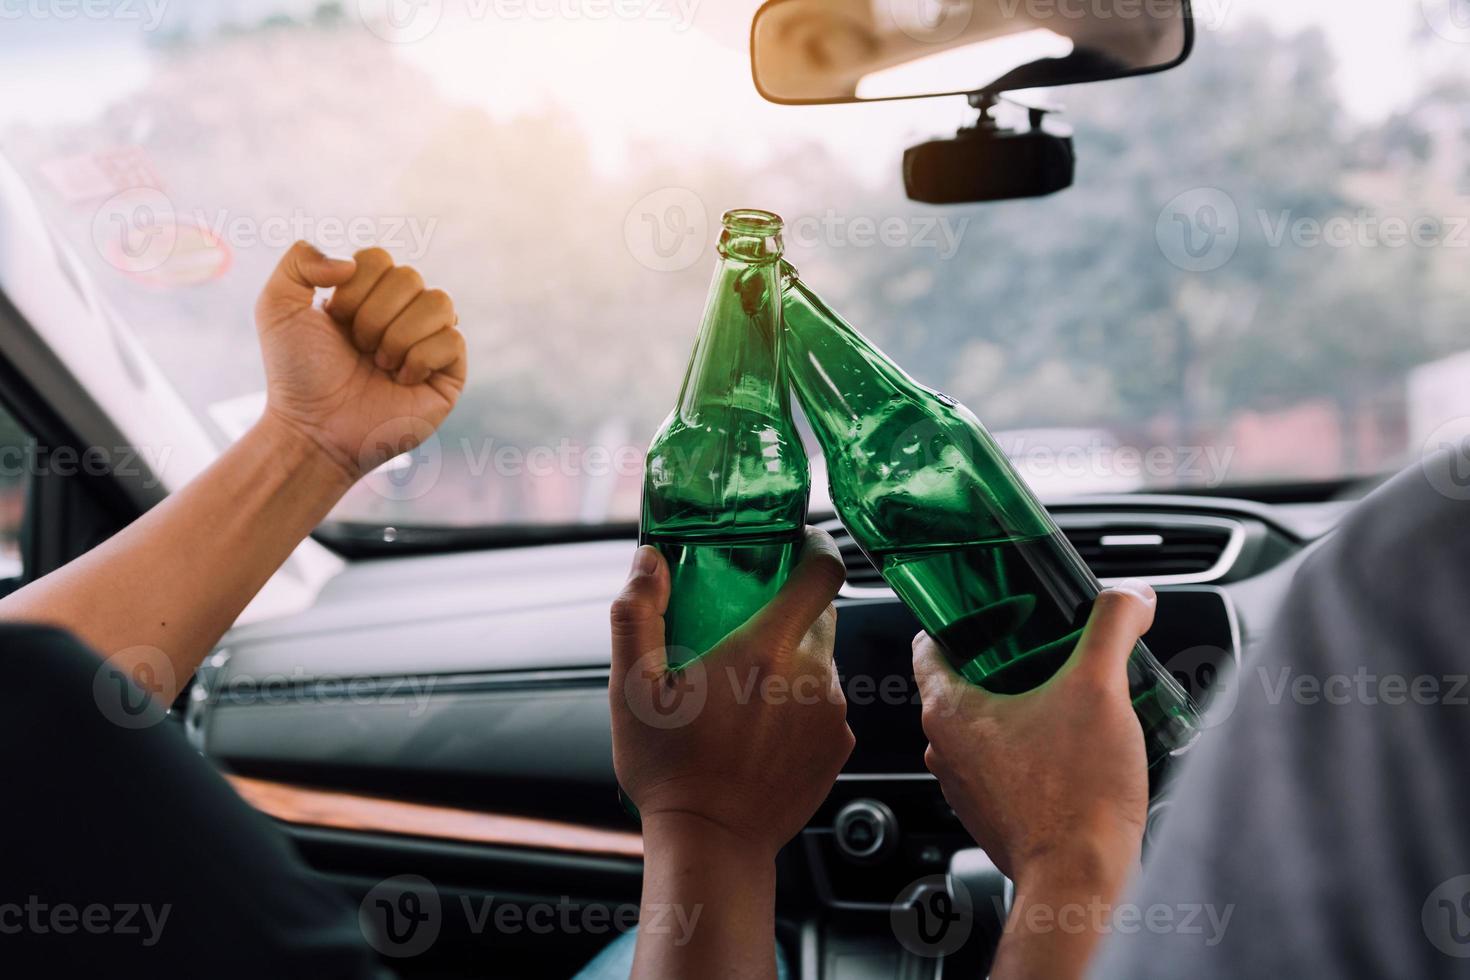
{"type": "Point", "coordinates": [446, 716]}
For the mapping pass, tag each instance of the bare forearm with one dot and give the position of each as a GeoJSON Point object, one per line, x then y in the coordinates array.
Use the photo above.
{"type": "Point", "coordinates": [176, 578]}
{"type": "Point", "coordinates": [1062, 910]}
{"type": "Point", "coordinates": [709, 904]}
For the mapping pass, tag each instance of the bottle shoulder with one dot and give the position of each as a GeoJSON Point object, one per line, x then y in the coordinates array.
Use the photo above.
{"type": "Point", "coordinates": [929, 474]}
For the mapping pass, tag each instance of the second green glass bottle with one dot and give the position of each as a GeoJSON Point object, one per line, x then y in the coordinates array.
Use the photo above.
{"type": "Point", "coordinates": [940, 511]}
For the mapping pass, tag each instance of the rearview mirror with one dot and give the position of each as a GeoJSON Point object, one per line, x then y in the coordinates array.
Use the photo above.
{"type": "Point", "coordinates": [825, 51]}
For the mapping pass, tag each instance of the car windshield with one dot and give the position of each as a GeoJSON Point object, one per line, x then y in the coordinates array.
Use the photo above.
{"type": "Point", "coordinates": [1259, 275]}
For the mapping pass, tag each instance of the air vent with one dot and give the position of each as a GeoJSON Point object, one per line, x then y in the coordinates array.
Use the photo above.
{"type": "Point", "coordinates": [1162, 548]}
{"type": "Point", "coordinates": [1157, 549]}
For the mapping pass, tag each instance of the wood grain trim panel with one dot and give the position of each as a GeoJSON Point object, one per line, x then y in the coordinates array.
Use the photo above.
{"type": "Point", "coordinates": [349, 811]}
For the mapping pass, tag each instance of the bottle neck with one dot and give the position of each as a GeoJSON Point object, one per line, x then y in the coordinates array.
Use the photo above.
{"type": "Point", "coordinates": [737, 361]}
{"type": "Point", "coordinates": [832, 365]}
{"type": "Point", "coordinates": [907, 465]}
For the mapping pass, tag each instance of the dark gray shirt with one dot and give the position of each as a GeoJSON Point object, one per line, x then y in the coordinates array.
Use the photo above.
{"type": "Point", "coordinates": [1322, 828]}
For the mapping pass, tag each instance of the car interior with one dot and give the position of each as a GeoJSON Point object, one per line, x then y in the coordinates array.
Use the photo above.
{"type": "Point", "coordinates": [1032, 218]}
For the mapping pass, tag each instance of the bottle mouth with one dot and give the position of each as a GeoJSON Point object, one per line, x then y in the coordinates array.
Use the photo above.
{"type": "Point", "coordinates": [752, 221]}
{"type": "Point", "coordinates": [751, 235]}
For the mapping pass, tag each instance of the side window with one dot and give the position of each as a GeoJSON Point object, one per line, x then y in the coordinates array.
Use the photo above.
{"type": "Point", "coordinates": [15, 456]}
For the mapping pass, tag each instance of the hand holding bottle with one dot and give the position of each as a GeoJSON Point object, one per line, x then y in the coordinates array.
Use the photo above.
{"type": "Point", "coordinates": [763, 731]}
{"type": "Point", "coordinates": [735, 766]}
{"type": "Point", "coordinates": [945, 518]}
{"type": "Point", "coordinates": [1053, 783]}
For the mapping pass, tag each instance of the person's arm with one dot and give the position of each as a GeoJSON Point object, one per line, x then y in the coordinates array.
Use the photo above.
{"type": "Point", "coordinates": [347, 387]}
{"type": "Point", "coordinates": [709, 901]}
{"type": "Point", "coordinates": [1053, 784]}
{"type": "Point", "coordinates": [726, 761]}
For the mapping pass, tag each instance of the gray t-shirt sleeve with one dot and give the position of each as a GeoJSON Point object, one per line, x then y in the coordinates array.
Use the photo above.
{"type": "Point", "coordinates": [1322, 827]}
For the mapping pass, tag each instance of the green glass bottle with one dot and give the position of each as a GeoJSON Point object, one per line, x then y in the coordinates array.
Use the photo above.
{"type": "Point", "coordinates": [726, 482]}
{"type": "Point", "coordinates": [952, 527]}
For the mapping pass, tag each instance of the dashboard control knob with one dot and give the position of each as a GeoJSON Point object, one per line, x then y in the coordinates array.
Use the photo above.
{"type": "Point", "coordinates": [865, 831]}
